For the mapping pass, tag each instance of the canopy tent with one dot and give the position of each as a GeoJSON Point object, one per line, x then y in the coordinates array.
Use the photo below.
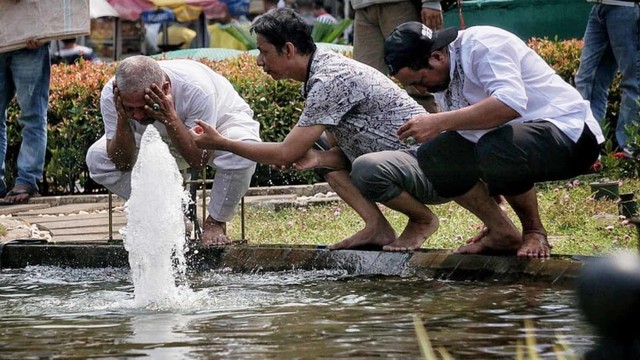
{"type": "Point", "coordinates": [101, 8]}
{"type": "Point", "coordinates": [184, 10]}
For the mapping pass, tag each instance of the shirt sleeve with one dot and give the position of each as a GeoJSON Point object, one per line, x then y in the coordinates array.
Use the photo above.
{"type": "Point", "coordinates": [329, 100]}
{"type": "Point", "coordinates": [495, 66]}
{"type": "Point", "coordinates": [108, 110]}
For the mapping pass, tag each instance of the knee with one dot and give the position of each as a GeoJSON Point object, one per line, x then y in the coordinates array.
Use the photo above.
{"type": "Point", "coordinates": [97, 159]}
{"type": "Point", "coordinates": [363, 170]}
{"type": "Point", "coordinates": [93, 157]}
{"type": "Point", "coordinates": [493, 150]}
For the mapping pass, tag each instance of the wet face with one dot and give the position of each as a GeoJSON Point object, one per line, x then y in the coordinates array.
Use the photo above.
{"type": "Point", "coordinates": [133, 104]}
{"type": "Point", "coordinates": [271, 61]}
{"type": "Point", "coordinates": [433, 79]}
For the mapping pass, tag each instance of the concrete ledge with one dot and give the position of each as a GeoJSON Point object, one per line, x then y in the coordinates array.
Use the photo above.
{"type": "Point", "coordinates": [246, 258]}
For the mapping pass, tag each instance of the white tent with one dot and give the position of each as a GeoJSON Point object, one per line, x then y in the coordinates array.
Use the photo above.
{"type": "Point", "coordinates": [101, 8]}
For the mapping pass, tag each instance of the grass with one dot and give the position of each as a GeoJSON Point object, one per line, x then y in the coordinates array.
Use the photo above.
{"type": "Point", "coordinates": [576, 223]}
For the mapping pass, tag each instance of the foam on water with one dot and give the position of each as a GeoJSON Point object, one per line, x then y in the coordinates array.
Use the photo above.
{"type": "Point", "coordinates": [155, 231]}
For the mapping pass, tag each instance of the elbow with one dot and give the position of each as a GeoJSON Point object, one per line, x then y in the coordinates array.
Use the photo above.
{"type": "Point", "coordinates": [285, 161]}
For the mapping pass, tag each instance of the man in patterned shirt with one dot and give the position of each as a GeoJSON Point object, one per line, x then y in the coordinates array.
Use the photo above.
{"type": "Point", "coordinates": [360, 110]}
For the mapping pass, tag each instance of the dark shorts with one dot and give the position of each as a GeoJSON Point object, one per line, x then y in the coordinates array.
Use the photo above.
{"type": "Point", "coordinates": [509, 159]}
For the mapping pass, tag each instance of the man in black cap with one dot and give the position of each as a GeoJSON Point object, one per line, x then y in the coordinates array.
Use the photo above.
{"type": "Point", "coordinates": [508, 121]}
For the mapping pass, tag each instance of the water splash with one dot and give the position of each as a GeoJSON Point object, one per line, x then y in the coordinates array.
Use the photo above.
{"type": "Point", "coordinates": [155, 231]}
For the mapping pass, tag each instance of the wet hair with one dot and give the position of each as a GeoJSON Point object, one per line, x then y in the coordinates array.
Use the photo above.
{"type": "Point", "coordinates": [136, 73]}
{"type": "Point", "coordinates": [280, 26]}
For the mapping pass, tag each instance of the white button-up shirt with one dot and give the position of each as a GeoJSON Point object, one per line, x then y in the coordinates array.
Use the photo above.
{"type": "Point", "coordinates": [488, 61]}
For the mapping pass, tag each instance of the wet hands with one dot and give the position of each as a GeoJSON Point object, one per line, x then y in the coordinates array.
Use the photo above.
{"type": "Point", "coordinates": [160, 105]}
{"type": "Point", "coordinates": [206, 136]}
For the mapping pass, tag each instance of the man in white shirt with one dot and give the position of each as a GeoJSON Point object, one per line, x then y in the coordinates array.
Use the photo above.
{"type": "Point", "coordinates": [508, 121]}
{"type": "Point", "coordinates": [170, 95]}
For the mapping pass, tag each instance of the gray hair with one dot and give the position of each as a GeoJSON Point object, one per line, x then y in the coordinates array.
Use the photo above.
{"type": "Point", "coordinates": [136, 73]}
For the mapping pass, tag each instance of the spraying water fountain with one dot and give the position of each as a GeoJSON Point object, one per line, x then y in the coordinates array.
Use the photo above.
{"type": "Point", "coordinates": [155, 233]}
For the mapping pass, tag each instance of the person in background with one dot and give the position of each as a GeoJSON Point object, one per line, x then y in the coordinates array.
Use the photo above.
{"type": "Point", "coordinates": [508, 121]}
{"type": "Point", "coordinates": [171, 95]}
{"type": "Point", "coordinates": [321, 14]}
{"type": "Point", "coordinates": [72, 52]}
{"type": "Point", "coordinates": [612, 44]}
{"type": "Point", "coordinates": [358, 109]}
{"type": "Point", "coordinates": [374, 21]}
{"type": "Point", "coordinates": [25, 74]}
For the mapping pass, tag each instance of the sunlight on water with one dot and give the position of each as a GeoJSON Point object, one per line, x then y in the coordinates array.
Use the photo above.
{"type": "Point", "coordinates": [155, 231]}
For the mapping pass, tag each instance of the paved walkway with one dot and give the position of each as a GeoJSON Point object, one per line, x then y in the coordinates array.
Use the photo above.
{"type": "Point", "coordinates": [85, 218]}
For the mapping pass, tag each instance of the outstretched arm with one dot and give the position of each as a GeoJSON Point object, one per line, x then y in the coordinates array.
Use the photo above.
{"type": "Point", "coordinates": [333, 159]}
{"type": "Point", "coordinates": [293, 147]}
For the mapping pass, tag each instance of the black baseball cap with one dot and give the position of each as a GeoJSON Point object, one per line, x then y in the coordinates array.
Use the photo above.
{"type": "Point", "coordinates": [411, 41]}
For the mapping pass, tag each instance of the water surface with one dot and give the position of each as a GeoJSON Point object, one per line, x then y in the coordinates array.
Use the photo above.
{"type": "Point", "coordinates": [65, 313]}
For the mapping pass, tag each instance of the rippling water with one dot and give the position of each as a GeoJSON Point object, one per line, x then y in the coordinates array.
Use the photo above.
{"type": "Point", "coordinates": [64, 313]}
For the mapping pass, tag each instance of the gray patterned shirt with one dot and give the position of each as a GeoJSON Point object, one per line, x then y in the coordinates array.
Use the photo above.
{"type": "Point", "coordinates": [361, 107]}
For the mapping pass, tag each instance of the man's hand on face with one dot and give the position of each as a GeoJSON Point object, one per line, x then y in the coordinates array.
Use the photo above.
{"type": "Point", "coordinates": [160, 105]}
{"type": "Point", "coordinates": [122, 114]}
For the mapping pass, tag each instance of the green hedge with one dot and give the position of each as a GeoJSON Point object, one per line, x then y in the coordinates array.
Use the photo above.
{"type": "Point", "coordinates": [75, 123]}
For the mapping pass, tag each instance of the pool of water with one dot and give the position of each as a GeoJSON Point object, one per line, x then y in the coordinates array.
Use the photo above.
{"type": "Point", "coordinates": [51, 312]}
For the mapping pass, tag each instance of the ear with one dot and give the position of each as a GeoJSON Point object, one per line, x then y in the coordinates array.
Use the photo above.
{"type": "Point", "coordinates": [166, 87]}
{"type": "Point", "coordinates": [289, 50]}
{"type": "Point", "coordinates": [438, 56]}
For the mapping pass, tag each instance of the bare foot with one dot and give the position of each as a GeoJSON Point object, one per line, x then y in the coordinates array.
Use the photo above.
{"type": "Point", "coordinates": [535, 245]}
{"type": "Point", "coordinates": [477, 237]}
{"type": "Point", "coordinates": [414, 235]}
{"type": "Point", "coordinates": [214, 233]}
{"type": "Point", "coordinates": [371, 235]}
{"type": "Point", "coordinates": [493, 243]}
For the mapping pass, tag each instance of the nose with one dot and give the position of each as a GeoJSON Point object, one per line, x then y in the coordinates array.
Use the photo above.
{"type": "Point", "coordinates": [260, 60]}
{"type": "Point", "coordinates": [139, 114]}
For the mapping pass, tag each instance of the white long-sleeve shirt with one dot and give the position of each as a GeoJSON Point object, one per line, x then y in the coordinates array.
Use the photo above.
{"type": "Point", "coordinates": [488, 61]}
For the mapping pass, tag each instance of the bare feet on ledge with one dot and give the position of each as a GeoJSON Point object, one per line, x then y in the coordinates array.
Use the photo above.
{"type": "Point", "coordinates": [492, 243]}
{"type": "Point", "coordinates": [535, 245]}
{"type": "Point", "coordinates": [413, 235]}
{"type": "Point", "coordinates": [214, 233]}
{"type": "Point", "coordinates": [371, 236]}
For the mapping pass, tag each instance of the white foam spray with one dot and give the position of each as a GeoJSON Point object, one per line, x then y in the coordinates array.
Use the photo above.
{"type": "Point", "coordinates": [155, 231]}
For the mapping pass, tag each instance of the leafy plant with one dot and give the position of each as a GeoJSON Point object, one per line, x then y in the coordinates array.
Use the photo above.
{"type": "Point", "coordinates": [240, 31]}
{"type": "Point", "coordinates": [328, 32]}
